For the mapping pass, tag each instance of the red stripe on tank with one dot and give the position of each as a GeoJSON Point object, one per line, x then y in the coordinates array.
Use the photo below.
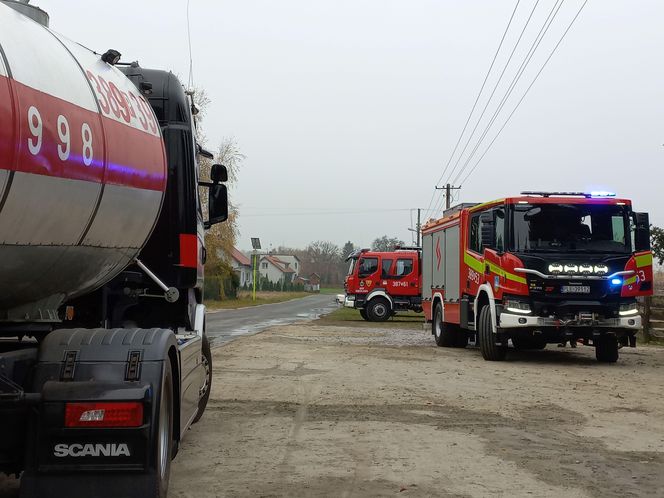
{"type": "Point", "coordinates": [60, 139]}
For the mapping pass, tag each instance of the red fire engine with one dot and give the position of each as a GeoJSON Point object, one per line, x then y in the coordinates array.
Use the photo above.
{"type": "Point", "coordinates": [536, 269]}
{"type": "Point", "coordinates": [381, 283]}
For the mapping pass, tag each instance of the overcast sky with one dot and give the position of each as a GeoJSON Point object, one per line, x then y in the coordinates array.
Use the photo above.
{"type": "Point", "coordinates": [348, 110]}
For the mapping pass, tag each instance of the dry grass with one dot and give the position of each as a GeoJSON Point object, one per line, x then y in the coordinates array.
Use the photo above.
{"type": "Point", "coordinates": [245, 299]}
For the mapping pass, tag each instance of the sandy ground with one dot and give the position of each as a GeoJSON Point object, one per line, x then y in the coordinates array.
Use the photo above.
{"type": "Point", "coordinates": [314, 411]}
{"type": "Point", "coordinates": [309, 410]}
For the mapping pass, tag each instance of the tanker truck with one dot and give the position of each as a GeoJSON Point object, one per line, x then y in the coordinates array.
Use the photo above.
{"type": "Point", "coordinates": [104, 359]}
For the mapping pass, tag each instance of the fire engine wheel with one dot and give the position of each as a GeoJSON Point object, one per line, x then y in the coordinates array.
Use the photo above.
{"type": "Point", "coordinates": [164, 434]}
{"type": "Point", "coordinates": [490, 351]}
{"type": "Point", "coordinates": [379, 309]}
{"type": "Point", "coordinates": [606, 349]}
{"type": "Point", "coordinates": [363, 314]}
{"type": "Point", "coordinates": [205, 389]}
{"type": "Point", "coordinates": [441, 331]}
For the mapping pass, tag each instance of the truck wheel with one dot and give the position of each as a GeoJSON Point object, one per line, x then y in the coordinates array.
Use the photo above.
{"type": "Point", "coordinates": [363, 314]}
{"type": "Point", "coordinates": [490, 351]}
{"type": "Point", "coordinates": [441, 331]}
{"type": "Point", "coordinates": [379, 309]}
{"type": "Point", "coordinates": [205, 389]}
{"type": "Point", "coordinates": [164, 434]}
{"type": "Point", "coordinates": [606, 349]}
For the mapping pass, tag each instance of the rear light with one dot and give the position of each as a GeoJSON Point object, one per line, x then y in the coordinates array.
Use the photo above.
{"type": "Point", "coordinates": [111, 414]}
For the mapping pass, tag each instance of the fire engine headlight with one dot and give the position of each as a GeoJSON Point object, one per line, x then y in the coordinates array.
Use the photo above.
{"type": "Point", "coordinates": [601, 269]}
{"type": "Point", "coordinates": [627, 309]}
{"type": "Point", "coordinates": [555, 268]}
{"type": "Point", "coordinates": [516, 306]}
{"type": "Point", "coordinates": [571, 268]}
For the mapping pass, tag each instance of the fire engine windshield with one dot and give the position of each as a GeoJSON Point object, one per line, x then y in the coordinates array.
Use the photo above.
{"type": "Point", "coordinates": [351, 267]}
{"type": "Point", "coordinates": [570, 227]}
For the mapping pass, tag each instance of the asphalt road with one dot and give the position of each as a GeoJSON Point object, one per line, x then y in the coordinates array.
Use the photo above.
{"type": "Point", "coordinates": [225, 325]}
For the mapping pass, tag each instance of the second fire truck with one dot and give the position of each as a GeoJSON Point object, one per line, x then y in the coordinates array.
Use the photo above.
{"type": "Point", "coordinates": [535, 269]}
{"type": "Point", "coordinates": [381, 283]}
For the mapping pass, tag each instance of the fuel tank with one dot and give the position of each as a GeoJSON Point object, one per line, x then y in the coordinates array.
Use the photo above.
{"type": "Point", "coordinates": [82, 169]}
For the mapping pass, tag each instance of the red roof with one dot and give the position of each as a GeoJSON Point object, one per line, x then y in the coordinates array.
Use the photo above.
{"type": "Point", "coordinates": [279, 264]}
{"type": "Point", "coordinates": [240, 258]}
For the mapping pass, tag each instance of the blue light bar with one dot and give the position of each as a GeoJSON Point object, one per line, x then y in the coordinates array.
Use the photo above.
{"type": "Point", "coordinates": [616, 281]}
{"type": "Point", "coordinates": [602, 193]}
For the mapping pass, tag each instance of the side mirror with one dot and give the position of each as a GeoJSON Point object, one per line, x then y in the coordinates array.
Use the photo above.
{"type": "Point", "coordinates": [488, 229]}
{"type": "Point", "coordinates": [218, 173]}
{"type": "Point", "coordinates": [641, 232]}
{"type": "Point", "coordinates": [217, 204]}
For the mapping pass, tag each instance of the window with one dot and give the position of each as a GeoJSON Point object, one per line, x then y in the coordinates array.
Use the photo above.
{"type": "Point", "coordinates": [351, 267]}
{"type": "Point", "coordinates": [264, 266]}
{"type": "Point", "coordinates": [367, 266]}
{"type": "Point", "coordinates": [499, 226]}
{"type": "Point", "coordinates": [404, 267]}
{"type": "Point", "coordinates": [569, 227]}
{"type": "Point", "coordinates": [475, 242]}
{"type": "Point", "coordinates": [387, 266]}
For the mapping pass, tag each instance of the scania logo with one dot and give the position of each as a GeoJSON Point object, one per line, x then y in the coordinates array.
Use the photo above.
{"type": "Point", "coordinates": [91, 450]}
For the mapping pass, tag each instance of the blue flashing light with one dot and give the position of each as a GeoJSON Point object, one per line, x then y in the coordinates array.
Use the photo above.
{"type": "Point", "coordinates": [616, 281]}
{"type": "Point", "coordinates": [602, 193]}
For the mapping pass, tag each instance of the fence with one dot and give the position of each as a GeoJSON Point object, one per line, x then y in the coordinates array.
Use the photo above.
{"type": "Point", "coordinates": [652, 309]}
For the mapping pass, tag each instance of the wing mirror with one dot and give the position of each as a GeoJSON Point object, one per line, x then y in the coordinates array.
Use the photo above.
{"type": "Point", "coordinates": [641, 232]}
{"type": "Point", "coordinates": [217, 195]}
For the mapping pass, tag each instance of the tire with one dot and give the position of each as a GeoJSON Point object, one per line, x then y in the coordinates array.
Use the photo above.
{"type": "Point", "coordinates": [379, 309]}
{"type": "Point", "coordinates": [606, 349]}
{"type": "Point", "coordinates": [441, 331]}
{"type": "Point", "coordinates": [164, 434]}
{"type": "Point", "coordinates": [363, 314]}
{"type": "Point", "coordinates": [521, 343]}
{"type": "Point", "coordinates": [490, 351]}
{"type": "Point", "coordinates": [207, 365]}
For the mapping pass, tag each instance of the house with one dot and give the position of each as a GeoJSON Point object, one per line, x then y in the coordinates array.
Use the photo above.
{"type": "Point", "coordinates": [290, 261]}
{"type": "Point", "coordinates": [275, 270]}
{"type": "Point", "coordinates": [311, 284]}
{"type": "Point", "coordinates": [242, 266]}
{"type": "Point", "coordinates": [314, 279]}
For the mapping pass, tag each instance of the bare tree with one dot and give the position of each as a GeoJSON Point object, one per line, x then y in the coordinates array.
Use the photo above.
{"type": "Point", "coordinates": [386, 243]}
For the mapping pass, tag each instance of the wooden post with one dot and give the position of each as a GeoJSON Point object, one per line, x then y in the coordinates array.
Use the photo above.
{"type": "Point", "coordinates": [646, 318]}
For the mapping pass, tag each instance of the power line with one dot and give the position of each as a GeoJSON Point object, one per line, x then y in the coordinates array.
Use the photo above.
{"type": "Point", "coordinates": [500, 78]}
{"type": "Point", "coordinates": [191, 60]}
{"type": "Point", "coordinates": [524, 64]}
{"type": "Point", "coordinates": [323, 213]}
{"type": "Point", "coordinates": [493, 61]}
{"type": "Point", "coordinates": [526, 92]}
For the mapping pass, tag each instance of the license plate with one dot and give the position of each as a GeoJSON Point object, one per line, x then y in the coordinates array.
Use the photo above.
{"type": "Point", "coordinates": [575, 289]}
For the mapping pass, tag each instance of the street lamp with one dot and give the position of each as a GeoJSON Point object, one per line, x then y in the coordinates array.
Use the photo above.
{"type": "Point", "coordinates": [256, 244]}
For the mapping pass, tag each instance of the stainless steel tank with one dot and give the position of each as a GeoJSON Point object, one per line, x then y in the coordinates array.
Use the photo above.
{"type": "Point", "coordinates": [82, 169]}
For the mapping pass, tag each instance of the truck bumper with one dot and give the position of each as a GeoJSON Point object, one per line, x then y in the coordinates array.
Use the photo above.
{"type": "Point", "coordinates": [349, 302]}
{"type": "Point", "coordinates": [513, 320]}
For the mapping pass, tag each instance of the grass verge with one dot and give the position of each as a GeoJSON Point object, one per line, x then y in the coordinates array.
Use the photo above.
{"type": "Point", "coordinates": [332, 290]}
{"type": "Point", "coordinates": [245, 299]}
{"type": "Point", "coordinates": [349, 317]}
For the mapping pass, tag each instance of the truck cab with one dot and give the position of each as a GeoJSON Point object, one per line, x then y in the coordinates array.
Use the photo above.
{"type": "Point", "coordinates": [379, 284]}
{"type": "Point", "coordinates": [544, 267]}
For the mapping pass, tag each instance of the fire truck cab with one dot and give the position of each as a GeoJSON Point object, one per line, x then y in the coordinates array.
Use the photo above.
{"type": "Point", "coordinates": [381, 283]}
{"type": "Point", "coordinates": [536, 269]}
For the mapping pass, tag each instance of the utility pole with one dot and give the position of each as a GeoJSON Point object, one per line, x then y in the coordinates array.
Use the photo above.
{"type": "Point", "coordinates": [418, 227]}
{"type": "Point", "coordinates": [448, 196]}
